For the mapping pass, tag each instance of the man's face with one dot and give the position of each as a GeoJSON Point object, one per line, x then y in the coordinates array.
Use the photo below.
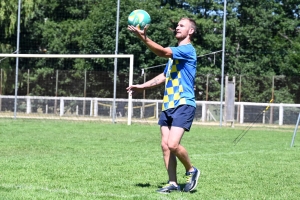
{"type": "Point", "coordinates": [183, 29]}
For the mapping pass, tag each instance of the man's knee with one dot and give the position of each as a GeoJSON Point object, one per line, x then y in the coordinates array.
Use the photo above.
{"type": "Point", "coordinates": [173, 147]}
{"type": "Point", "coordinates": [164, 146]}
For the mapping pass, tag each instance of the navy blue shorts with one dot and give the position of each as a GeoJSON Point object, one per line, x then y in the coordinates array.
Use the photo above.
{"type": "Point", "coordinates": [181, 116]}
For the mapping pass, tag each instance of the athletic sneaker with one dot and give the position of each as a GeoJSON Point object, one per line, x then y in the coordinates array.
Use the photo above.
{"type": "Point", "coordinates": [168, 188]}
{"type": "Point", "coordinates": [191, 180]}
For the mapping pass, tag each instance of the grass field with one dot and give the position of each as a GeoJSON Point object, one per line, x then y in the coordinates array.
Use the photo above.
{"type": "Point", "coordinates": [60, 159]}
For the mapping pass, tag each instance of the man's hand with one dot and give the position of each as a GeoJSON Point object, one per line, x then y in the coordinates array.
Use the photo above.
{"type": "Point", "coordinates": [134, 88]}
{"type": "Point", "coordinates": [140, 33]}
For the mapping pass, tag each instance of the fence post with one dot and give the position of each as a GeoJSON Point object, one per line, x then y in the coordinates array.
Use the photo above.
{"type": "Point", "coordinates": [91, 108]}
{"type": "Point", "coordinates": [280, 114]}
{"type": "Point", "coordinates": [28, 105]}
{"type": "Point", "coordinates": [204, 111]}
{"type": "Point", "coordinates": [242, 114]}
{"type": "Point", "coordinates": [95, 107]}
{"type": "Point", "coordinates": [62, 107]}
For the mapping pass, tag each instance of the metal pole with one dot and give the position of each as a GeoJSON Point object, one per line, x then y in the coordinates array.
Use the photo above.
{"type": "Point", "coordinates": [17, 60]}
{"type": "Point", "coordinates": [207, 87]}
{"type": "Point", "coordinates": [84, 93]}
{"type": "Point", "coordinates": [144, 96]}
{"type": "Point", "coordinates": [223, 58]}
{"type": "Point", "coordinates": [271, 110]}
{"type": "Point", "coordinates": [56, 92]}
{"type": "Point", "coordinates": [1, 90]}
{"type": "Point", "coordinates": [116, 64]}
{"type": "Point", "coordinates": [295, 131]}
{"type": "Point", "coordinates": [1, 83]}
{"type": "Point", "coordinates": [240, 94]}
{"type": "Point", "coordinates": [28, 72]}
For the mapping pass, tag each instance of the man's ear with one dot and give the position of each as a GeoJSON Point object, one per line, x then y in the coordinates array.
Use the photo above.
{"type": "Point", "coordinates": [191, 31]}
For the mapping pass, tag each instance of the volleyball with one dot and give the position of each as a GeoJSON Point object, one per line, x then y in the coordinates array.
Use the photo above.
{"type": "Point", "coordinates": [139, 18]}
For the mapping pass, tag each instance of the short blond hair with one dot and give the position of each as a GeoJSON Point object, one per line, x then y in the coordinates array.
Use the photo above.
{"type": "Point", "coordinates": [192, 22]}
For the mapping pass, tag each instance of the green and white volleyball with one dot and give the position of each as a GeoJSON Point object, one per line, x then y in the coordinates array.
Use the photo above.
{"type": "Point", "coordinates": [139, 18]}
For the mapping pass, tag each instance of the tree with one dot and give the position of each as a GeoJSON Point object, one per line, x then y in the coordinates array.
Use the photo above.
{"type": "Point", "coordinates": [262, 40]}
{"type": "Point", "coordinates": [8, 29]}
{"type": "Point", "coordinates": [8, 20]}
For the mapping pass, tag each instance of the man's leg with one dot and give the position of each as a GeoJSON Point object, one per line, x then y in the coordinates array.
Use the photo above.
{"type": "Point", "coordinates": [174, 146]}
{"type": "Point", "coordinates": [192, 173]}
{"type": "Point", "coordinates": [169, 158]}
{"type": "Point", "coordinates": [170, 163]}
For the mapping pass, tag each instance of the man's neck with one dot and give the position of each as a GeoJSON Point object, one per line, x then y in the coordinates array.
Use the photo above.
{"type": "Point", "coordinates": [184, 41]}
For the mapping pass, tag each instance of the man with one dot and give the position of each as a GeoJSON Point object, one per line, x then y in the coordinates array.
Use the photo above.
{"type": "Point", "coordinates": [179, 105]}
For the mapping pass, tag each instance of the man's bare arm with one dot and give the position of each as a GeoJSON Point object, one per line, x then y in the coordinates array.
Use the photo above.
{"type": "Point", "coordinates": [153, 46]}
{"type": "Point", "coordinates": [159, 79]}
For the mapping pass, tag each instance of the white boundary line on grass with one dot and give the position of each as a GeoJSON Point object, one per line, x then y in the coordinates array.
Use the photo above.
{"type": "Point", "coordinates": [64, 191]}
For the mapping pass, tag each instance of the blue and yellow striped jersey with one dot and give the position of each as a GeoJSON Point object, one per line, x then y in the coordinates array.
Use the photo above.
{"type": "Point", "coordinates": [180, 77]}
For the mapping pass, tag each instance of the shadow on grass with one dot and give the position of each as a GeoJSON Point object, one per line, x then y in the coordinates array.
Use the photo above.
{"type": "Point", "coordinates": [143, 185]}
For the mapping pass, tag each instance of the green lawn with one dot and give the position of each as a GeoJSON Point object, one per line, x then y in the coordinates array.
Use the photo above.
{"type": "Point", "coordinates": [60, 159]}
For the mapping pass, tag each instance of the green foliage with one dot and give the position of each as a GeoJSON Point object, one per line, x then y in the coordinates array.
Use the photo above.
{"type": "Point", "coordinates": [43, 75]}
{"type": "Point", "coordinates": [262, 37]}
{"type": "Point", "coordinates": [8, 17]}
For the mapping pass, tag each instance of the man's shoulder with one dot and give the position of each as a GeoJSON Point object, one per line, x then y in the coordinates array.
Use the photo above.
{"type": "Point", "coordinates": [187, 47]}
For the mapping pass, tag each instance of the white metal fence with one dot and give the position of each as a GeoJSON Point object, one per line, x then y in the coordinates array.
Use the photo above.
{"type": "Point", "coordinates": [207, 111]}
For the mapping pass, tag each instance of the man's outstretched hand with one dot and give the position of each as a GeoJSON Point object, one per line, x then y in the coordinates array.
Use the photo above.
{"type": "Point", "coordinates": [142, 34]}
{"type": "Point", "coordinates": [134, 88]}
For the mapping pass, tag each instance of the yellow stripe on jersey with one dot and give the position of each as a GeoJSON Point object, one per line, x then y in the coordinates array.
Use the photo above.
{"type": "Point", "coordinates": [166, 98]}
{"type": "Point", "coordinates": [175, 82]}
{"type": "Point", "coordinates": [176, 96]}
{"type": "Point", "coordinates": [170, 91]}
{"type": "Point", "coordinates": [173, 88]}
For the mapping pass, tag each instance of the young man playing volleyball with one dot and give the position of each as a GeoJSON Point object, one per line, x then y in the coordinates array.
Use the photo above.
{"type": "Point", "coordinates": [179, 105]}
